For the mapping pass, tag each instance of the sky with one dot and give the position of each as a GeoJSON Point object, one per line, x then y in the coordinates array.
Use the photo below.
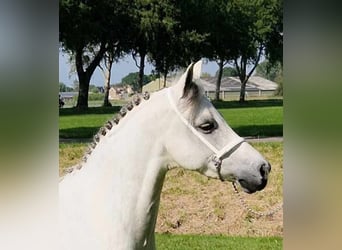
{"type": "Point", "coordinates": [119, 70]}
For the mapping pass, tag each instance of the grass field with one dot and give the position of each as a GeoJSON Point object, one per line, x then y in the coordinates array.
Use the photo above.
{"type": "Point", "coordinates": [204, 242]}
{"type": "Point", "coordinates": [257, 122]}
{"type": "Point", "coordinates": [194, 204]}
{"type": "Point", "coordinates": [257, 118]}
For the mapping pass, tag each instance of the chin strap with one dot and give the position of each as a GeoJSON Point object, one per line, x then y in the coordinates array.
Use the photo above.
{"type": "Point", "coordinates": [216, 158]}
{"type": "Point", "coordinates": [226, 151]}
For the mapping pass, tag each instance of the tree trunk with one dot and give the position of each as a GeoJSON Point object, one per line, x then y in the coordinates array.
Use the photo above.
{"type": "Point", "coordinates": [165, 75]}
{"type": "Point", "coordinates": [83, 89]}
{"type": "Point", "coordinates": [243, 90]}
{"type": "Point", "coordinates": [141, 72]}
{"type": "Point", "coordinates": [242, 71]}
{"type": "Point", "coordinates": [218, 82]}
{"type": "Point", "coordinates": [85, 75]}
{"type": "Point", "coordinates": [106, 102]}
{"type": "Point", "coordinates": [108, 65]}
{"type": "Point", "coordinates": [83, 81]}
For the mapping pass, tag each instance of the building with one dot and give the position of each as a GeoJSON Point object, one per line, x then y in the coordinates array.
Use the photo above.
{"type": "Point", "coordinates": [156, 85]}
{"type": "Point", "coordinates": [67, 96]}
{"type": "Point", "coordinates": [230, 86]}
{"type": "Point", "coordinates": [120, 93]}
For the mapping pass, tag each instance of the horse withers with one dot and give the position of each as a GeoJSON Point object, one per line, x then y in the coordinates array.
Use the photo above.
{"type": "Point", "coordinates": [111, 200]}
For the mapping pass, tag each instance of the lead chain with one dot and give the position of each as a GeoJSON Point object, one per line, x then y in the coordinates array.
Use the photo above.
{"type": "Point", "coordinates": [258, 214]}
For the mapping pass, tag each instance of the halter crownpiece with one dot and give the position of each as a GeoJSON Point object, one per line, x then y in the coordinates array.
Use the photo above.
{"type": "Point", "coordinates": [215, 158]}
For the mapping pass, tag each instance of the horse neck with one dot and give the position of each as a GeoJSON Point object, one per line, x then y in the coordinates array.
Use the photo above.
{"type": "Point", "coordinates": [127, 168]}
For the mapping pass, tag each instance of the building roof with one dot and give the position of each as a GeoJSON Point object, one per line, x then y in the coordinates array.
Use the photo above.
{"type": "Point", "coordinates": [67, 94]}
{"type": "Point", "coordinates": [262, 83]}
{"type": "Point", "coordinates": [233, 84]}
{"type": "Point", "coordinates": [254, 83]}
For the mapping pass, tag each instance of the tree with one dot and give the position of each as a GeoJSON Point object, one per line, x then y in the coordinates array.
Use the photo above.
{"type": "Point", "coordinates": [279, 80]}
{"type": "Point", "coordinates": [132, 80]}
{"type": "Point", "coordinates": [274, 41]}
{"type": "Point", "coordinates": [79, 36]}
{"type": "Point", "coordinates": [222, 45]}
{"type": "Point", "coordinates": [273, 72]}
{"type": "Point", "coordinates": [112, 55]}
{"type": "Point", "coordinates": [108, 60]}
{"type": "Point", "coordinates": [87, 30]}
{"type": "Point", "coordinates": [259, 22]}
{"type": "Point", "coordinates": [163, 59]}
{"type": "Point", "coordinates": [269, 70]}
{"type": "Point", "coordinates": [176, 35]}
{"type": "Point", "coordinates": [142, 30]}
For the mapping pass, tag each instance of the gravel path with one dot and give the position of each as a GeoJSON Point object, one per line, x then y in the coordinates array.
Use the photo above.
{"type": "Point", "coordinates": [265, 139]}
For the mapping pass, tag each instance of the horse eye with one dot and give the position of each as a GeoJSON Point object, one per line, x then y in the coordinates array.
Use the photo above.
{"type": "Point", "coordinates": [207, 127]}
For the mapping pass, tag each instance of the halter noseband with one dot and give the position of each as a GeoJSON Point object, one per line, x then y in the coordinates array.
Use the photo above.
{"type": "Point", "coordinates": [215, 158]}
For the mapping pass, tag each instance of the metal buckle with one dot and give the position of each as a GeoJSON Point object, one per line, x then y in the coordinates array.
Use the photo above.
{"type": "Point", "coordinates": [217, 163]}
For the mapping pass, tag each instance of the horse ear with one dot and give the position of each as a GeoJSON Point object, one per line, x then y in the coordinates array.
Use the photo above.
{"type": "Point", "coordinates": [189, 86]}
{"type": "Point", "coordinates": [190, 89]}
{"type": "Point", "coordinates": [197, 70]}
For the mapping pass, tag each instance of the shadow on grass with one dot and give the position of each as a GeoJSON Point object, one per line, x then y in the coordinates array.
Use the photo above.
{"type": "Point", "coordinates": [78, 132]}
{"type": "Point", "coordinates": [260, 130]}
{"type": "Point", "coordinates": [217, 104]}
{"type": "Point", "coordinates": [248, 104]}
{"type": "Point", "coordinates": [252, 130]}
{"type": "Point", "coordinates": [90, 110]}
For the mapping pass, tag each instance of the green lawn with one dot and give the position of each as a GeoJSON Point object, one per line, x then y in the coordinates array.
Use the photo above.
{"type": "Point", "coordinates": [205, 242]}
{"type": "Point", "coordinates": [261, 121]}
{"type": "Point", "coordinates": [74, 123]}
{"type": "Point", "coordinates": [81, 126]}
{"type": "Point", "coordinates": [253, 118]}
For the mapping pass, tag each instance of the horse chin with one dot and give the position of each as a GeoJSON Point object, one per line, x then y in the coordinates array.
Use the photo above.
{"type": "Point", "coordinates": [245, 188]}
{"type": "Point", "coordinates": [250, 189]}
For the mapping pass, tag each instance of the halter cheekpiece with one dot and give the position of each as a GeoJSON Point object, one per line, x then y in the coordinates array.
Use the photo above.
{"type": "Point", "coordinates": [215, 158]}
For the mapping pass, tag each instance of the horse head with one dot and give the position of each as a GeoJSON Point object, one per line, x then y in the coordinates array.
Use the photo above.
{"type": "Point", "coordinates": [198, 138]}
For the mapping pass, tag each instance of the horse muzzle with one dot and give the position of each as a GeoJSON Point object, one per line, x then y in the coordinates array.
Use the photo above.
{"type": "Point", "coordinates": [251, 184]}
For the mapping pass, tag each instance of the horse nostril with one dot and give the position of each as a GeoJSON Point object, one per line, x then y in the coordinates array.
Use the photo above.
{"type": "Point", "coordinates": [265, 168]}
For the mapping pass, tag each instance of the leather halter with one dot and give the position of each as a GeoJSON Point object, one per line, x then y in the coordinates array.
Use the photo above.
{"type": "Point", "coordinates": [215, 158]}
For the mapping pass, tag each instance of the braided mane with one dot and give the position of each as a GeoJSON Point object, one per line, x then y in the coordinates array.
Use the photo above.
{"type": "Point", "coordinates": [109, 125]}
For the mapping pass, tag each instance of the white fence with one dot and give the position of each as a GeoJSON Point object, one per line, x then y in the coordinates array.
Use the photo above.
{"type": "Point", "coordinates": [249, 93]}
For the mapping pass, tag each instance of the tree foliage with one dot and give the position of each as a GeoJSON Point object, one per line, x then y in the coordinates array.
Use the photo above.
{"type": "Point", "coordinates": [258, 27]}
{"type": "Point", "coordinates": [93, 88]}
{"type": "Point", "coordinates": [132, 79]}
{"type": "Point", "coordinates": [269, 70]}
{"type": "Point", "coordinates": [161, 32]}
{"type": "Point", "coordinates": [272, 71]}
{"type": "Point", "coordinates": [64, 88]}
{"type": "Point", "coordinates": [171, 34]}
{"type": "Point", "coordinates": [227, 71]}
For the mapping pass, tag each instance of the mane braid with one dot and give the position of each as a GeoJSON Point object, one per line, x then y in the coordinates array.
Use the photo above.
{"type": "Point", "coordinates": [108, 126]}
